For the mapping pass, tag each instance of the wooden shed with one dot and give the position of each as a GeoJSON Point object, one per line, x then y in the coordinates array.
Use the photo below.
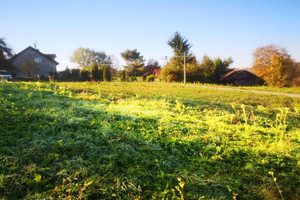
{"type": "Point", "coordinates": [241, 78]}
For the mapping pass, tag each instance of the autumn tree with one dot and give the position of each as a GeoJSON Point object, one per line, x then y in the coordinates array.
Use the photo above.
{"type": "Point", "coordinates": [134, 61]}
{"type": "Point", "coordinates": [296, 79]}
{"type": "Point", "coordinates": [274, 65]}
{"type": "Point", "coordinates": [85, 57]}
{"type": "Point", "coordinates": [29, 67]}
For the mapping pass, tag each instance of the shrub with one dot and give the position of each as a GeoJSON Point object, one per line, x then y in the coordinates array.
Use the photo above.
{"type": "Point", "coordinates": [123, 76]}
{"type": "Point", "coordinates": [150, 78]}
{"type": "Point", "coordinates": [106, 73]}
{"type": "Point", "coordinates": [144, 77]}
{"type": "Point", "coordinates": [132, 78]}
{"type": "Point", "coordinates": [75, 74]}
{"type": "Point", "coordinates": [85, 75]}
{"type": "Point", "coordinates": [97, 74]}
{"type": "Point", "coordinates": [296, 82]}
{"type": "Point", "coordinates": [51, 79]}
{"type": "Point", "coordinates": [172, 73]}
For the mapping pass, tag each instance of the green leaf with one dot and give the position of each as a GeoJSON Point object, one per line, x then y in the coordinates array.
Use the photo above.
{"type": "Point", "coordinates": [37, 178]}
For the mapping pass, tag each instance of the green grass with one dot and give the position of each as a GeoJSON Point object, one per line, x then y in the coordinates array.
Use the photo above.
{"type": "Point", "coordinates": [146, 141]}
{"type": "Point", "coordinates": [293, 90]}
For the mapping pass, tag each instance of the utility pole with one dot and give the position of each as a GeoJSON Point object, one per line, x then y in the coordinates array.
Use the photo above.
{"type": "Point", "coordinates": [184, 66]}
{"type": "Point", "coordinates": [184, 70]}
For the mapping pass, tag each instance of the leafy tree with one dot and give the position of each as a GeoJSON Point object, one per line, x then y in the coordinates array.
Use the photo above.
{"type": "Point", "coordinates": [276, 75]}
{"type": "Point", "coordinates": [193, 72]}
{"type": "Point", "coordinates": [207, 69]}
{"type": "Point", "coordinates": [85, 57]}
{"type": "Point", "coordinates": [274, 59]}
{"type": "Point", "coordinates": [101, 58]}
{"type": "Point", "coordinates": [221, 68]}
{"type": "Point", "coordinates": [29, 67]}
{"type": "Point", "coordinates": [296, 79]}
{"type": "Point", "coordinates": [5, 53]}
{"type": "Point", "coordinates": [172, 71]}
{"type": "Point", "coordinates": [213, 70]}
{"type": "Point", "coordinates": [134, 61]}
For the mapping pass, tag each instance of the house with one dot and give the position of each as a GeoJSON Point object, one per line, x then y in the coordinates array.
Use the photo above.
{"type": "Point", "coordinates": [241, 78]}
{"type": "Point", "coordinates": [45, 62]}
{"type": "Point", "coordinates": [156, 72]}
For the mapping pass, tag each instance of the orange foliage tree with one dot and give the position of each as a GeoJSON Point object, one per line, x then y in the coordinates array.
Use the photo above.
{"type": "Point", "coordinates": [274, 65]}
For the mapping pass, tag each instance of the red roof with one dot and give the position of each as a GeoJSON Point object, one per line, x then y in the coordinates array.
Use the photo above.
{"type": "Point", "coordinates": [156, 72]}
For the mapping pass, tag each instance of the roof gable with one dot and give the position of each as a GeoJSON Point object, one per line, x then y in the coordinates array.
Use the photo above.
{"type": "Point", "coordinates": [238, 74]}
{"type": "Point", "coordinates": [38, 52]}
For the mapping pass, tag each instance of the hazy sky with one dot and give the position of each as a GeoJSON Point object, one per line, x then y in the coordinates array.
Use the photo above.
{"type": "Point", "coordinates": [216, 28]}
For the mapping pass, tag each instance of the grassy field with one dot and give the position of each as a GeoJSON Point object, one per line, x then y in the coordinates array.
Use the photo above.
{"type": "Point", "coordinates": [293, 90]}
{"type": "Point", "coordinates": [146, 141]}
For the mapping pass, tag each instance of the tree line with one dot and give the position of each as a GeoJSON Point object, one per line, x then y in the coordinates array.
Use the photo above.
{"type": "Point", "coordinates": [207, 71]}
{"type": "Point", "coordinates": [272, 63]}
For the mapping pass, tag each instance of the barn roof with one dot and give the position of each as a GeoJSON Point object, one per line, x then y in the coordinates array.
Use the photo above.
{"type": "Point", "coordinates": [238, 74]}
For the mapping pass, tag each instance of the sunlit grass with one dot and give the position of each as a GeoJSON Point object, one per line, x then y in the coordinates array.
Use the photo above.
{"type": "Point", "coordinates": [146, 141]}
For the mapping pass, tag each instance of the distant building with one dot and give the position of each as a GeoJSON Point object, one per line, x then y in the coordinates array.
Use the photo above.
{"type": "Point", "coordinates": [45, 62]}
{"type": "Point", "coordinates": [241, 78]}
{"type": "Point", "coordinates": [156, 72]}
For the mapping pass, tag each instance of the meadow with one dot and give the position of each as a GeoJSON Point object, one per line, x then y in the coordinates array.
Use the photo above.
{"type": "Point", "coordinates": [146, 141]}
{"type": "Point", "coordinates": [293, 90]}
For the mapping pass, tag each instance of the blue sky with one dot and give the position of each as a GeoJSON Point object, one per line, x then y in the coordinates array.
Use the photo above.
{"type": "Point", "coordinates": [216, 28]}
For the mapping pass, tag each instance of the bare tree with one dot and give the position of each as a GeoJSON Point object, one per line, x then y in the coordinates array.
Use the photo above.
{"type": "Point", "coordinates": [29, 67]}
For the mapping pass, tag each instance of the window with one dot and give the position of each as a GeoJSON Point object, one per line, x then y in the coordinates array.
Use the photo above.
{"type": "Point", "coordinates": [38, 60]}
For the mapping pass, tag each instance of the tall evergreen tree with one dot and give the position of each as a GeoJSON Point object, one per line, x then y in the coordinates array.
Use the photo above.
{"type": "Point", "coordinates": [106, 73]}
{"type": "Point", "coordinates": [179, 44]}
